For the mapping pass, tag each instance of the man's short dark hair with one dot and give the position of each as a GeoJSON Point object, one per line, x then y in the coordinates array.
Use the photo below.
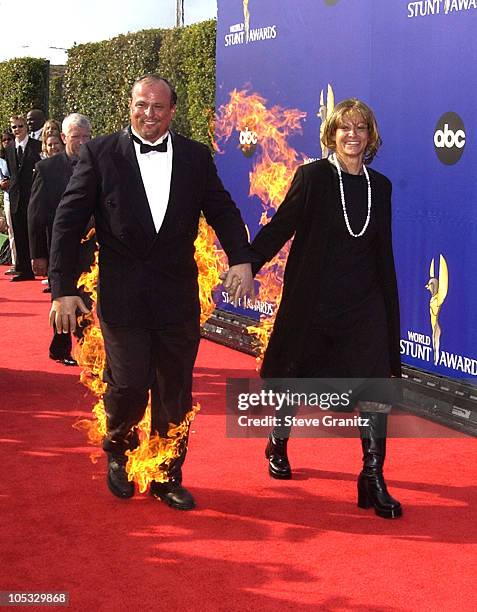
{"type": "Point", "coordinates": [38, 112]}
{"type": "Point", "coordinates": [154, 77]}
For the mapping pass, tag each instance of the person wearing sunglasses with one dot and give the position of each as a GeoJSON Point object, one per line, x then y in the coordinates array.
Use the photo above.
{"type": "Point", "coordinates": [21, 159]}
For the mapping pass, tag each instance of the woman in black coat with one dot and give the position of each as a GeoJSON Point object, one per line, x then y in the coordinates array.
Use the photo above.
{"type": "Point", "coordinates": [339, 313]}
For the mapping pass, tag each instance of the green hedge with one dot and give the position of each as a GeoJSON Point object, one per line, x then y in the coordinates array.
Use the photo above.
{"type": "Point", "coordinates": [23, 86]}
{"type": "Point", "coordinates": [99, 76]}
{"type": "Point", "coordinates": [199, 67]}
{"type": "Point", "coordinates": [57, 103]}
{"type": "Point", "coordinates": [187, 59]}
{"type": "Point", "coordinates": [171, 67]}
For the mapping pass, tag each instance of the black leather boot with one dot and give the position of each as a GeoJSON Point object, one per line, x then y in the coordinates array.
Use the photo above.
{"type": "Point", "coordinates": [117, 477]}
{"type": "Point", "coordinates": [372, 490]}
{"type": "Point", "coordinates": [172, 492]}
{"type": "Point", "coordinates": [276, 453]}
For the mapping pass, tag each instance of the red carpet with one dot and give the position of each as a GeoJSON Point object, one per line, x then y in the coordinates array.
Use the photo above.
{"type": "Point", "coordinates": [253, 543]}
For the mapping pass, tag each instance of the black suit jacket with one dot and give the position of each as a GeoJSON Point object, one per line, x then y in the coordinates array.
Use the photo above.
{"type": "Point", "coordinates": [307, 213]}
{"type": "Point", "coordinates": [21, 178]}
{"type": "Point", "coordinates": [145, 278]}
{"type": "Point", "coordinates": [51, 178]}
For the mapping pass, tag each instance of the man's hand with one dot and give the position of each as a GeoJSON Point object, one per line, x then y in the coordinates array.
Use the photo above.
{"type": "Point", "coordinates": [40, 266]}
{"type": "Point", "coordinates": [5, 184]}
{"type": "Point", "coordinates": [238, 281]}
{"type": "Point", "coordinates": [63, 313]}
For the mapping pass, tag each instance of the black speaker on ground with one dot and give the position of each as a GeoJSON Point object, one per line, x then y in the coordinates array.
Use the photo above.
{"type": "Point", "coordinates": [441, 399]}
{"type": "Point", "coordinates": [230, 329]}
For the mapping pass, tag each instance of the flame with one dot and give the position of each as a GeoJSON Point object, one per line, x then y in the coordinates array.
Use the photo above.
{"type": "Point", "coordinates": [277, 161]}
{"type": "Point", "coordinates": [210, 261]}
{"type": "Point", "coordinates": [273, 169]}
{"type": "Point", "coordinates": [150, 460]}
{"type": "Point", "coordinates": [269, 180]}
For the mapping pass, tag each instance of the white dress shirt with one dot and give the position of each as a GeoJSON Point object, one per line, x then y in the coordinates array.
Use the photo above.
{"type": "Point", "coordinates": [22, 144]}
{"type": "Point", "coordinates": [156, 172]}
{"type": "Point", "coordinates": [36, 135]}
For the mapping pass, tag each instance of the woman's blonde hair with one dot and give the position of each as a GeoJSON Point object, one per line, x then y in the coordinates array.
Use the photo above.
{"type": "Point", "coordinates": [344, 109]}
{"type": "Point", "coordinates": [50, 128]}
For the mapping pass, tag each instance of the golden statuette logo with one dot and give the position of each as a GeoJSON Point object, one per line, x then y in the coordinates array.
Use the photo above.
{"type": "Point", "coordinates": [246, 19]}
{"type": "Point", "coordinates": [326, 108]}
{"type": "Point", "coordinates": [438, 289]}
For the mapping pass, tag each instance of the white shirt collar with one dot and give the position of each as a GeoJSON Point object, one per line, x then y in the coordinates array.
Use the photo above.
{"type": "Point", "coordinates": [23, 143]}
{"type": "Point", "coordinates": [156, 142]}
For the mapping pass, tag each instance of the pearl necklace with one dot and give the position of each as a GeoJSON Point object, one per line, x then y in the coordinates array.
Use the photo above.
{"type": "Point", "coordinates": [334, 160]}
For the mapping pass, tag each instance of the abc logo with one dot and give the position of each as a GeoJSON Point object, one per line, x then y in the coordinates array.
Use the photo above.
{"type": "Point", "coordinates": [248, 142]}
{"type": "Point", "coordinates": [449, 138]}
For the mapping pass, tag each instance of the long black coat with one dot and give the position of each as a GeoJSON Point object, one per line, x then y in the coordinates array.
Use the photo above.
{"type": "Point", "coordinates": [49, 184]}
{"type": "Point", "coordinates": [146, 278]}
{"type": "Point", "coordinates": [307, 212]}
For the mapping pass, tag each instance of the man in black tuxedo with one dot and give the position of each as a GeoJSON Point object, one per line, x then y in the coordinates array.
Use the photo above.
{"type": "Point", "coordinates": [51, 178]}
{"type": "Point", "coordinates": [146, 187]}
{"type": "Point", "coordinates": [21, 160]}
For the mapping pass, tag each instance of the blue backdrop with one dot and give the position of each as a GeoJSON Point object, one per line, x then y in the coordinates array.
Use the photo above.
{"type": "Point", "coordinates": [413, 63]}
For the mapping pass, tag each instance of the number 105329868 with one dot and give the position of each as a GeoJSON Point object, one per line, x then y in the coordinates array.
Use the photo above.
{"type": "Point", "coordinates": [34, 598]}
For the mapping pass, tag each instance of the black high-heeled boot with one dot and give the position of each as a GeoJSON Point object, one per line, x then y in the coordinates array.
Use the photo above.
{"type": "Point", "coordinates": [372, 490]}
{"type": "Point", "coordinates": [276, 453]}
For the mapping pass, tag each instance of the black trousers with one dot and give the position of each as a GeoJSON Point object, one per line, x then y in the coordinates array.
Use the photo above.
{"type": "Point", "coordinates": [22, 245]}
{"type": "Point", "coordinates": [141, 360]}
{"type": "Point", "coordinates": [60, 346]}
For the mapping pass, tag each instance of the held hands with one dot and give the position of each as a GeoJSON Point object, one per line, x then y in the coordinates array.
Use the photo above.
{"type": "Point", "coordinates": [63, 313]}
{"type": "Point", "coordinates": [238, 281]}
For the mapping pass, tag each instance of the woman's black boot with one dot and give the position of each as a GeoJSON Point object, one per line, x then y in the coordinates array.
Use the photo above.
{"type": "Point", "coordinates": [276, 453]}
{"type": "Point", "coordinates": [372, 490]}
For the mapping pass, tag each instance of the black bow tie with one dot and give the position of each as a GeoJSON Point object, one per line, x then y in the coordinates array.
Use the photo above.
{"type": "Point", "coordinates": [146, 148]}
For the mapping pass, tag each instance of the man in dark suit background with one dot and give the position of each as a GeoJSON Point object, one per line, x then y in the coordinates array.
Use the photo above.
{"type": "Point", "coordinates": [146, 188]}
{"type": "Point", "coordinates": [21, 160]}
{"type": "Point", "coordinates": [51, 178]}
{"type": "Point", "coordinates": [35, 121]}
